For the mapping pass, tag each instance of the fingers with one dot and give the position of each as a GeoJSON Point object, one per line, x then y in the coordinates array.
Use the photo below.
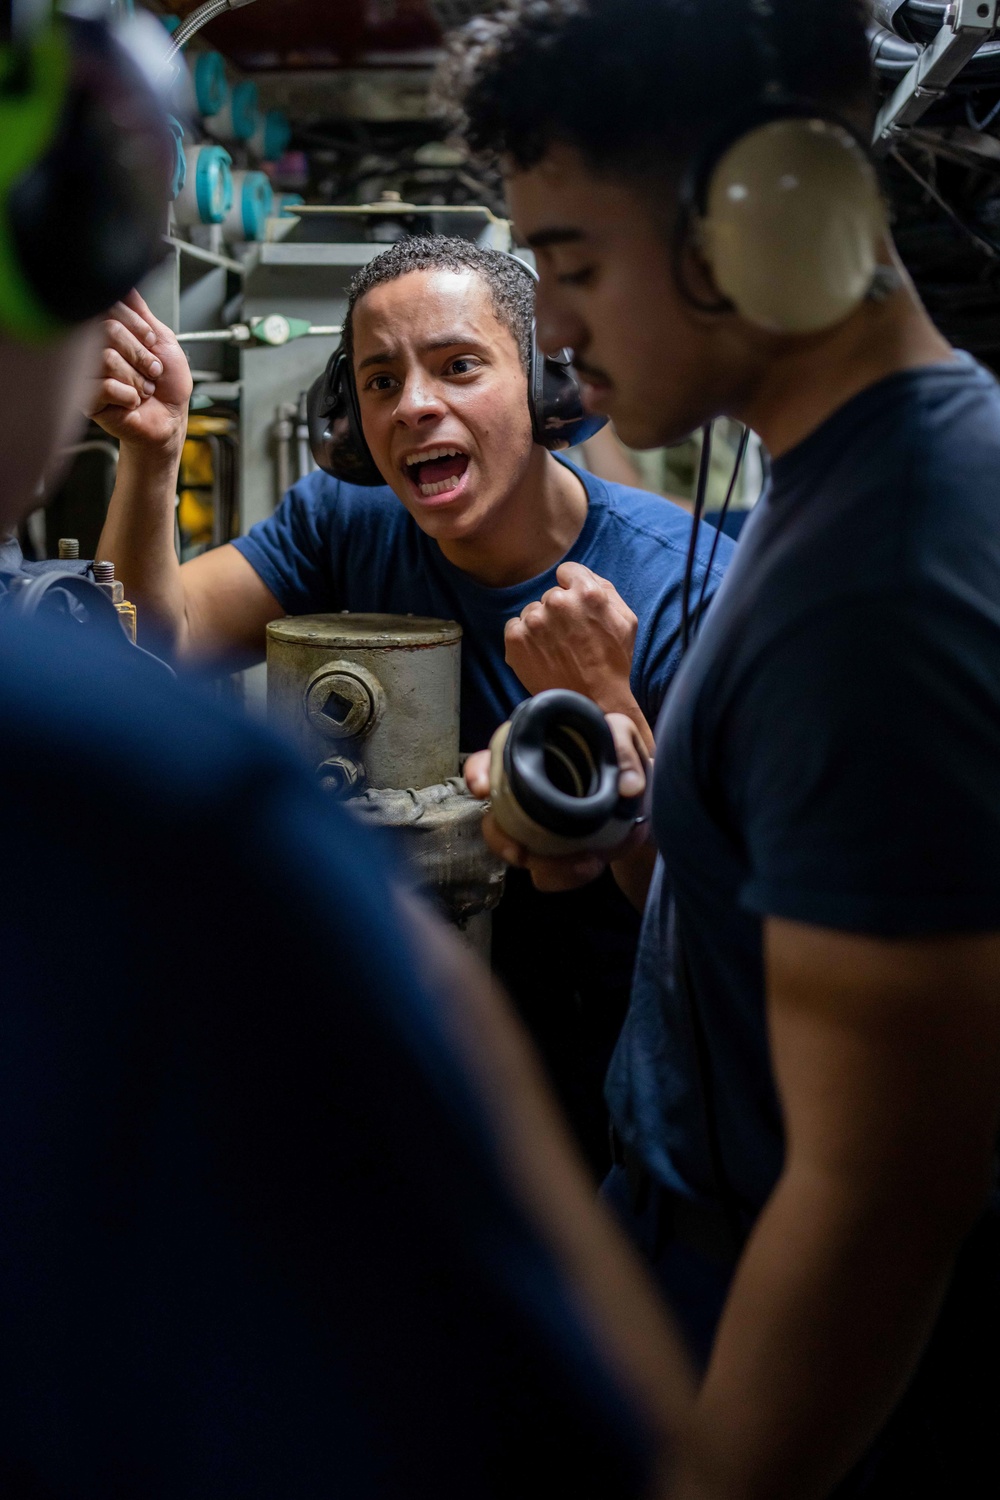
{"type": "Point", "coordinates": [550, 875]}
{"type": "Point", "coordinates": [140, 309]}
{"type": "Point", "coordinates": [501, 843]}
{"type": "Point", "coordinates": [477, 774]}
{"type": "Point", "coordinates": [127, 343]}
{"type": "Point", "coordinates": [115, 366]}
{"type": "Point", "coordinates": [533, 616]}
{"type": "Point", "coordinates": [584, 583]}
{"type": "Point", "coordinates": [569, 573]}
{"type": "Point", "coordinates": [136, 322]}
{"type": "Point", "coordinates": [631, 753]}
{"type": "Point", "coordinates": [114, 393]}
{"type": "Point", "coordinates": [593, 591]}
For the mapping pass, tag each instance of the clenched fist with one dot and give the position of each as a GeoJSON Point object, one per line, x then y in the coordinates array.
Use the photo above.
{"type": "Point", "coordinates": [579, 635]}
{"type": "Point", "coordinates": [141, 395]}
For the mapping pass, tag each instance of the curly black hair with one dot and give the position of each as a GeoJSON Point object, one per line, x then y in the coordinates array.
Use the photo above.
{"type": "Point", "coordinates": [636, 84]}
{"type": "Point", "coordinates": [510, 284]}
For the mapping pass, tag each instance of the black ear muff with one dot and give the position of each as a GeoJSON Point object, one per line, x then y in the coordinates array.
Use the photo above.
{"type": "Point", "coordinates": [558, 418]}
{"type": "Point", "coordinates": [335, 433]}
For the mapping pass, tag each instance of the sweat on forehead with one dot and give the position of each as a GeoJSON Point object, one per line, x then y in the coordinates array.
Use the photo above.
{"type": "Point", "coordinates": [510, 285]}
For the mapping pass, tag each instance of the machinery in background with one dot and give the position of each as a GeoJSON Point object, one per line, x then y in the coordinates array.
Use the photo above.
{"type": "Point", "coordinates": [208, 500]}
{"type": "Point", "coordinates": [371, 701]}
{"type": "Point", "coordinates": [347, 125]}
{"type": "Point", "coordinates": [938, 139]}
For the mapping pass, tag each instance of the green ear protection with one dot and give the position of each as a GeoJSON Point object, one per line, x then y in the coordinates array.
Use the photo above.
{"type": "Point", "coordinates": [29, 121]}
{"type": "Point", "coordinates": [85, 165]}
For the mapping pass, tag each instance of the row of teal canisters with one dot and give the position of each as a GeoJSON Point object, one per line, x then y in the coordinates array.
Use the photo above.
{"type": "Point", "coordinates": [208, 191]}
{"type": "Point", "coordinates": [232, 114]}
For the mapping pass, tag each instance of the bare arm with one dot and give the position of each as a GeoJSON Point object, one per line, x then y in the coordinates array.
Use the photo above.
{"type": "Point", "coordinates": [887, 1058]}
{"type": "Point", "coordinates": [614, 1290]}
{"type": "Point", "coordinates": [213, 607]}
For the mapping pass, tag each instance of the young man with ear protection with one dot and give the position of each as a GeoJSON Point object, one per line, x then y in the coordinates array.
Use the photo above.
{"type": "Point", "coordinates": [557, 578]}
{"type": "Point", "coordinates": [807, 1088]}
{"type": "Point", "coordinates": [283, 1204]}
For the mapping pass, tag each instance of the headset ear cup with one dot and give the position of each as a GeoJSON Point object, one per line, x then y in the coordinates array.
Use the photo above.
{"type": "Point", "coordinates": [86, 217]}
{"type": "Point", "coordinates": [558, 418]}
{"type": "Point", "coordinates": [792, 226]}
{"type": "Point", "coordinates": [335, 434]}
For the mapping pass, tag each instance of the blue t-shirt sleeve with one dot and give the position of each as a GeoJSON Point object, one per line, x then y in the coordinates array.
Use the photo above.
{"type": "Point", "coordinates": [292, 550]}
{"type": "Point", "coordinates": [862, 767]}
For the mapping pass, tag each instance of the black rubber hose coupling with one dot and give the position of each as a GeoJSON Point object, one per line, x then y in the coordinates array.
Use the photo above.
{"type": "Point", "coordinates": [554, 778]}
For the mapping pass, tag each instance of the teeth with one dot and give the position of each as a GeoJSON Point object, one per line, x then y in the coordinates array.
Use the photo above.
{"type": "Point", "coordinates": [426, 458]}
{"type": "Point", "coordinates": [436, 489]}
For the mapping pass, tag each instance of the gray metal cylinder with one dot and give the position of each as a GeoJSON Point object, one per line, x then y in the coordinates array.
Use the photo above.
{"type": "Point", "coordinates": [368, 698]}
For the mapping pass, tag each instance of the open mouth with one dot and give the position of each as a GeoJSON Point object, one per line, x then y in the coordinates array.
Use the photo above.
{"type": "Point", "coordinates": [436, 471]}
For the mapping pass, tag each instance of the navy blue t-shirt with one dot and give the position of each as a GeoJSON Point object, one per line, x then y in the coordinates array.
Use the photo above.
{"type": "Point", "coordinates": [830, 753]}
{"type": "Point", "coordinates": [332, 546]}
{"type": "Point", "coordinates": [254, 1234]}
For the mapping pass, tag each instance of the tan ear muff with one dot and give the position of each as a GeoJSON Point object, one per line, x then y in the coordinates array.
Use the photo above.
{"type": "Point", "coordinates": [792, 225]}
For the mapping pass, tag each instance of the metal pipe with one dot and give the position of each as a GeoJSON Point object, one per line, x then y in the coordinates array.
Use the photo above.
{"type": "Point", "coordinates": [970, 24]}
{"type": "Point", "coordinates": [284, 432]}
{"type": "Point", "coordinates": [306, 461]}
{"type": "Point", "coordinates": [242, 333]}
{"type": "Point", "coordinates": [893, 57]}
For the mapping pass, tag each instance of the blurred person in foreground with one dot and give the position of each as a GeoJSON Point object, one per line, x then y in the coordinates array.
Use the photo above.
{"type": "Point", "coordinates": [284, 1209]}
{"type": "Point", "coordinates": [807, 1088]}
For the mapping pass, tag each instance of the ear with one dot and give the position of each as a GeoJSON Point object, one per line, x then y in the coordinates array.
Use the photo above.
{"type": "Point", "coordinates": [699, 294]}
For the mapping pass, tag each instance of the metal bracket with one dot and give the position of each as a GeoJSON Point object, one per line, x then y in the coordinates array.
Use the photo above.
{"type": "Point", "coordinates": [968, 24]}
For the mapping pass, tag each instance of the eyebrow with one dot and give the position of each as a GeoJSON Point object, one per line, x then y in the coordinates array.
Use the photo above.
{"type": "Point", "coordinates": [445, 341]}
{"type": "Point", "coordinates": [554, 236]}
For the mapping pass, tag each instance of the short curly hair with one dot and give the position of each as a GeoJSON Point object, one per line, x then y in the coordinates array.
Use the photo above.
{"type": "Point", "coordinates": [636, 84]}
{"type": "Point", "coordinates": [509, 282]}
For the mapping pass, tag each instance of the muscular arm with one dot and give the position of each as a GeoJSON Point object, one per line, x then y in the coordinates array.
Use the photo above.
{"type": "Point", "coordinates": [215, 607]}
{"type": "Point", "coordinates": [887, 1059]}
